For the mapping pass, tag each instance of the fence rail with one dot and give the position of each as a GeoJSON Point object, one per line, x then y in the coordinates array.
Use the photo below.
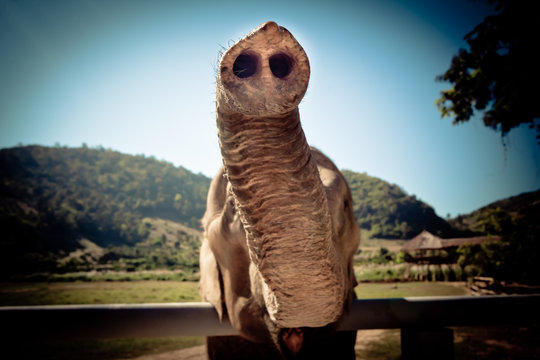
{"type": "Point", "coordinates": [200, 319]}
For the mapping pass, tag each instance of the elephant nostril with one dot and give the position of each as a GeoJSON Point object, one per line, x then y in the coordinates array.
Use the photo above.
{"type": "Point", "coordinates": [245, 65]}
{"type": "Point", "coordinates": [281, 65]}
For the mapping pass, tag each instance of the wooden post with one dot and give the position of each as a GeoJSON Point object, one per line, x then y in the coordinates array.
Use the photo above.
{"type": "Point", "coordinates": [408, 271]}
{"type": "Point", "coordinates": [436, 343]}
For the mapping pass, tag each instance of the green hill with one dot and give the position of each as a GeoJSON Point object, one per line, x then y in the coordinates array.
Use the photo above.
{"type": "Point", "coordinates": [66, 209]}
{"type": "Point", "coordinates": [500, 216]}
{"type": "Point", "coordinates": [51, 198]}
{"type": "Point", "coordinates": [386, 211]}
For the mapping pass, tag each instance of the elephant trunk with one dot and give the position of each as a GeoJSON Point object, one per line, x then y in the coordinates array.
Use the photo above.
{"type": "Point", "coordinates": [274, 179]}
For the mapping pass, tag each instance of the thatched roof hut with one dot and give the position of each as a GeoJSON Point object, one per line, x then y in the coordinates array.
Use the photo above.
{"type": "Point", "coordinates": [470, 241]}
{"type": "Point", "coordinates": [427, 241]}
{"type": "Point", "coordinates": [428, 248]}
{"type": "Point", "coordinates": [423, 241]}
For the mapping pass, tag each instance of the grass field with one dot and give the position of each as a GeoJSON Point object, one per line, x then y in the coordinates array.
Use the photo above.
{"type": "Point", "coordinates": [132, 292]}
{"type": "Point", "coordinates": [122, 292]}
{"type": "Point", "coordinates": [407, 289]}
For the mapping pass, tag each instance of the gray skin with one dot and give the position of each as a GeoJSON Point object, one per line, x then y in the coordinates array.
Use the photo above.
{"type": "Point", "coordinates": [280, 234]}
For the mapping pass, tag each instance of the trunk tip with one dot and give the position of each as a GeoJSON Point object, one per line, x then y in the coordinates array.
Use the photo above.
{"type": "Point", "coordinates": [268, 26]}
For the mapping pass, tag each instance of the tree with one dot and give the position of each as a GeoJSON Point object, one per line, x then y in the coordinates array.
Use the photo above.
{"type": "Point", "coordinates": [500, 72]}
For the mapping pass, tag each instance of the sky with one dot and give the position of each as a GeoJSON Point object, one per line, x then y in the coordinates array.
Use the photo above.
{"type": "Point", "coordinates": [139, 77]}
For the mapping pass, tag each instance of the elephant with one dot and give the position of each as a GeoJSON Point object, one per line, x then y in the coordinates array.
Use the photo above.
{"type": "Point", "coordinates": [279, 227]}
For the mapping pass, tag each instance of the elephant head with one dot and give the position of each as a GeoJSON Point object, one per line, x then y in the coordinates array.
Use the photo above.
{"type": "Point", "coordinates": [279, 228]}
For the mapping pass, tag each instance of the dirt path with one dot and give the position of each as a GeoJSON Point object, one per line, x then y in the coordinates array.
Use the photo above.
{"type": "Point", "coordinates": [193, 353]}
{"type": "Point", "coordinates": [364, 338]}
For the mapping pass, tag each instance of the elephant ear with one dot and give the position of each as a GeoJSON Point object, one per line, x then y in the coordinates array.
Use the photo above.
{"type": "Point", "coordinates": [210, 282]}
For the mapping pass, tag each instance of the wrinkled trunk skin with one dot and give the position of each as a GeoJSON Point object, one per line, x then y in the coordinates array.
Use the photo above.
{"type": "Point", "coordinates": [275, 181]}
{"type": "Point", "coordinates": [279, 230]}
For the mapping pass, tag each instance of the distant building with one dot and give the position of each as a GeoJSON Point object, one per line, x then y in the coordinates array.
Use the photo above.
{"type": "Point", "coordinates": [426, 248]}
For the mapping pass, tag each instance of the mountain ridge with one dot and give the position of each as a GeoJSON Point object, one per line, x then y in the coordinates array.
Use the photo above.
{"type": "Point", "coordinates": [51, 198]}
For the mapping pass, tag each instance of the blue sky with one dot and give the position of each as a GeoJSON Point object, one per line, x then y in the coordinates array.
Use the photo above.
{"type": "Point", "coordinates": [138, 77]}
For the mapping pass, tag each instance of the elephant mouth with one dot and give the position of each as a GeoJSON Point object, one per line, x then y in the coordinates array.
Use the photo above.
{"type": "Point", "coordinates": [293, 339]}
{"type": "Point", "coordinates": [303, 342]}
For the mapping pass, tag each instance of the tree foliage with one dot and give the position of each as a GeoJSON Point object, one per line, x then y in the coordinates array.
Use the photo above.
{"type": "Point", "coordinates": [499, 73]}
{"type": "Point", "coordinates": [516, 256]}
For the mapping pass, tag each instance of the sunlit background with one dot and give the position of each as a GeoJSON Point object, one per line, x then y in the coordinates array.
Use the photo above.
{"type": "Point", "coordinates": [138, 77]}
